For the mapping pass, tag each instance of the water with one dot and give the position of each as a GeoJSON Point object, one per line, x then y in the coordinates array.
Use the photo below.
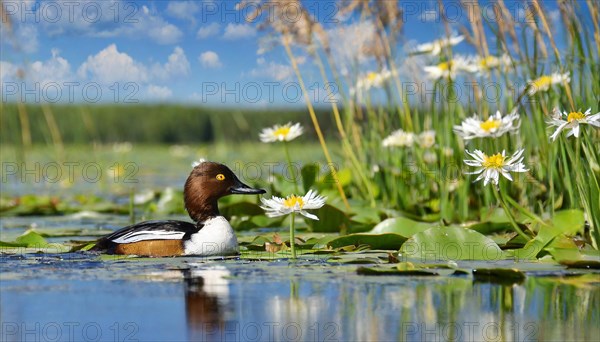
{"type": "Point", "coordinates": [74, 297]}
{"type": "Point", "coordinates": [79, 296]}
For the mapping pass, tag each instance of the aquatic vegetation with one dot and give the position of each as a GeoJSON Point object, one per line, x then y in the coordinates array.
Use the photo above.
{"type": "Point", "coordinates": [393, 134]}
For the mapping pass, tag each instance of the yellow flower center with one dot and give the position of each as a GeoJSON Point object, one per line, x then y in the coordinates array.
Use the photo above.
{"type": "Point", "coordinates": [293, 201]}
{"type": "Point", "coordinates": [445, 65]}
{"type": "Point", "coordinates": [490, 125]}
{"type": "Point", "coordinates": [543, 82]}
{"type": "Point", "coordinates": [575, 116]}
{"type": "Point", "coordinates": [496, 161]}
{"type": "Point", "coordinates": [371, 76]}
{"type": "Point", "coordinates": [282, 131]}
{"type": "Point", "coordinates": [487, 61]}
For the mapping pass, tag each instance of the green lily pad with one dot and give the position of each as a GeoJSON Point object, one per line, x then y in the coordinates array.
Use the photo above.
{"type": "Point", "coordinates": [31, 239]}
{"type": "Point", "coordinates": [381, 271]}
{"type": "Point", "coordinates": [401, 225]}
{"type": "Point", "coordinates": [451, 243]}
{"type": "Point", "coordinates": [574, 258]}
{"type": "Point", "coordinates": [388, 241]}
{"type": "Point", "coordinates": [499, 275]}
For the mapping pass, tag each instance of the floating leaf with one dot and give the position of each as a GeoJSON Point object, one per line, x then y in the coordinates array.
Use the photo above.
{"type": "Point", "coordinates": [451, 243]}
{"type": "Point", "coordinates": [388, 241]}
{"type": "Point", "coordinates": [381, 271]}
{"type": "Point", "coordinates": [574, 258]}
{"type": "Point", "coordinates": [31, 239]}
{"type": "Point", "coordinates": [401, 225]}
{"type": "Point", "coordinates": [499, 275]}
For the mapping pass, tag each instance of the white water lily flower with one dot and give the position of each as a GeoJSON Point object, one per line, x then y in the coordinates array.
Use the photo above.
{"type": "Point", "coordinates": [495, 126]}
{"type": "Point", "coordinates": [491, 167]}
{"type": "Point", "coordinates": [285, 132]}
{"type": "Point", "coordinates": [435, 47]}
{"type": "Point", "coordinates": [449, 69]}
{"type": "Point", "coordinates": [427, 139]}
{"type": "Point", "coordinates": [544, 82]}
{"type": "Point", "coordinates": [278, 206]}
{"type": "Point", "coordinates": [399, 138]}
{"type": "Point", "coordinates": [572, 120]}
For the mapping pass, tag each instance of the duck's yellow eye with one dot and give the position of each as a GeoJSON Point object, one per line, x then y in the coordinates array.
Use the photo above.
{"type": "Point", "coordinates": [220, 177]}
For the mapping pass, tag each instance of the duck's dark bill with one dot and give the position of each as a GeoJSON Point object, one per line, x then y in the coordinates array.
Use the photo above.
{"type": "Point", "coordinates": [242, 189]}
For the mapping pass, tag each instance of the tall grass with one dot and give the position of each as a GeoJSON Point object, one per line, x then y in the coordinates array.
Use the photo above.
{"type": "Point", "coordinates": [430, 181]}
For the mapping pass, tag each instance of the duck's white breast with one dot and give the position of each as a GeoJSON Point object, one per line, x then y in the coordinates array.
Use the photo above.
{"type": "Point", "coordinates": [215, 238]}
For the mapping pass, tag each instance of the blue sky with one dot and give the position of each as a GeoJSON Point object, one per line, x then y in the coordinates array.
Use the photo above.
{"type": "Point", "coordinates": [201, 52]}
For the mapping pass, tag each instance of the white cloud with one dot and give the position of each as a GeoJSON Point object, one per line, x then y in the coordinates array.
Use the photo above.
{"type": "Point", "coordinates": [167, 34]}
{"type": "Point", "coordinates": [239, 31]}
{"type": "Point", "coordinates": [56, 69]}
{"type": "Point", "coordinates": [105, 19]}
{"type": "Point", "coordinates": [185, 10]}
{"type": "Point", "coordinates": [176, 65]}
{"type": "Point", "coordinates": [209, 30]}
{"type": "Point", "coordinates": [110, 65]}
{"type": "Point", "coordinates": [272, 70]}
{"type": "Point", "coordinates": [210, 59]}
{"type": "Point", "coordinates": [158, 92]}
{"type": "Point", "coordinates": [106, 67]}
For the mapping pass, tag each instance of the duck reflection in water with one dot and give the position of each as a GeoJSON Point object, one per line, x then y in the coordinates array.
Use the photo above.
{"type": "Point", "coordinates": [206, 298]}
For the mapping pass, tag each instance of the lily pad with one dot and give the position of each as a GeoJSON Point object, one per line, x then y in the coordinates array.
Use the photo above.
{"type": "Point", "coordinates": [29, 239]}
{"type": "Point", "coordinates": [499, 275]}
{"type": "Point", "coordinates": [573, 258]}
{"type": "Point", "coordinates": [381, 271]}
{"type": "Point", "coordinates": [401, 225]}
{"type": "Point", "coordinates": [388, 241]}
{"type": "Point", "coordinates": [451, 243]}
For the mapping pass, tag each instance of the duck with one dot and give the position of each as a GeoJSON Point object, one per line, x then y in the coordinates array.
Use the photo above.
{"type": "Point", "coordinates": [210, 234]}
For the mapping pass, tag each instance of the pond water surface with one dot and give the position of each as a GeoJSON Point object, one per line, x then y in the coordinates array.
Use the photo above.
{"type": "Point", "coordinates": [79, 296]}
{"type": "Point", "coordinates": [87, 297]}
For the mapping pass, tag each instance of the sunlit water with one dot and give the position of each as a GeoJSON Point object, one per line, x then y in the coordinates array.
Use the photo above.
{"type": "Point", "coordinates": [79, 296]}
{"type": "Point", "coordinates": [73, 297]}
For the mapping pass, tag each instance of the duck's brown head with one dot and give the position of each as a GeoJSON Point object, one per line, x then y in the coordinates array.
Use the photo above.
{"type": "Point", "coordinates": [208, 182]}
